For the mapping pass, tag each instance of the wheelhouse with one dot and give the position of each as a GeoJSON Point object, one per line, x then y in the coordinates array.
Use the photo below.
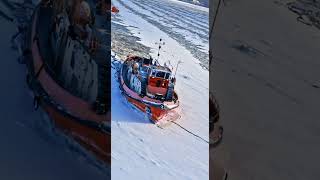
{"type": "Point", "coordinates": [159, 81]}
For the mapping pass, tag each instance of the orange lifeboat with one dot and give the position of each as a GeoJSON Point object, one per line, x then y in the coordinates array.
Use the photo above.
{"type": "Point", "coordinates": [149, 87]}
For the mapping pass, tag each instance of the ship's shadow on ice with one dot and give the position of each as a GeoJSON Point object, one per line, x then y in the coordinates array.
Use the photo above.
{"type": "Point", "coordinates": [140, 120]}
{"type": "Point", "coordinates": [130, 115]}
{"type": "Point", "coordinates": [127, 113]}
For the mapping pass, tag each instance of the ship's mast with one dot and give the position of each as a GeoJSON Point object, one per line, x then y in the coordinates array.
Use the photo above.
{"type": "Point", "coordinates": [160, 43]}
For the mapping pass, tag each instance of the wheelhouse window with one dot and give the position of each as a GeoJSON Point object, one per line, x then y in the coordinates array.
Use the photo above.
{"type": "Point", "coordinates": [168, 75]}
{"type": "Point", "coordinates": [161, 74]}
{"type": "Point", "coordinates": [153, 73]}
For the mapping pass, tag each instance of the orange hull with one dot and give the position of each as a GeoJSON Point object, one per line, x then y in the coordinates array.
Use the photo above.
{"type": "Point", "coordinates": [157, 113]}
{"type": "Point", "coordinates": [94, 140]}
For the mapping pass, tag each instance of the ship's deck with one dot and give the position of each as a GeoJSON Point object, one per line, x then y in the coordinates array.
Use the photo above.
{"type": "Point", "coordinates": [54, 67]}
